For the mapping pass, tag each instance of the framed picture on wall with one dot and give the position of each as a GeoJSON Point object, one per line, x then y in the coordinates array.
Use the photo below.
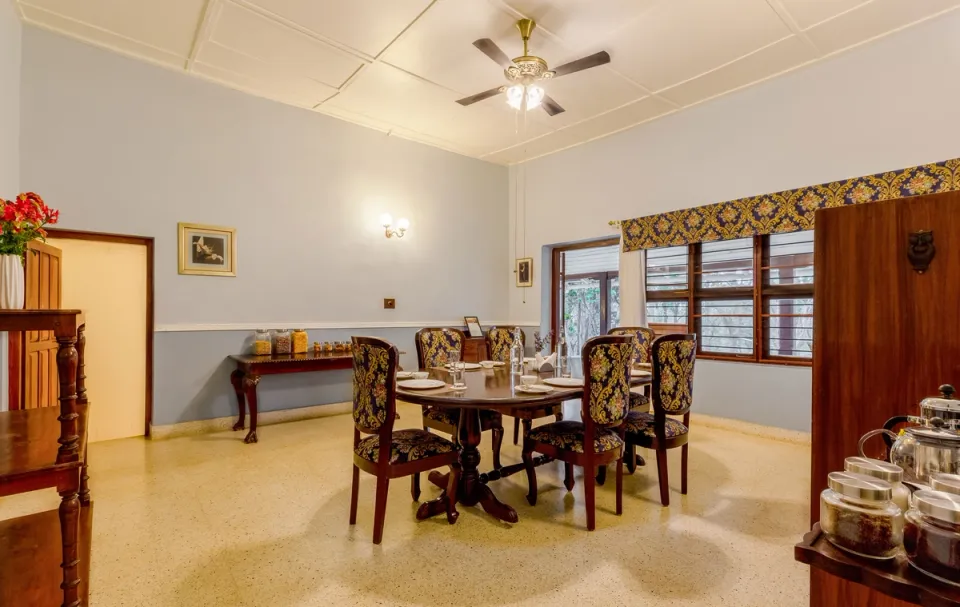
{"type": "Point", "coordinates": [473, 326]}
{"type": "Point", "coordinates": [206, 250]}
{"type": "Point", "coordinates": [524, 272]}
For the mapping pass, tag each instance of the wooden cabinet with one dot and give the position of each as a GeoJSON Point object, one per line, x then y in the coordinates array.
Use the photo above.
{"type": "Point", "coordinates": [885, 337]}
{"type": "Point", "coordinates": [474, 349]}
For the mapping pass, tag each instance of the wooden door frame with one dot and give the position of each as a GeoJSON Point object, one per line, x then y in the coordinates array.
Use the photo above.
{"type": "Point", "coordinates": [146, 241]}
{"type": "Point", "coordinates": [556, 278]}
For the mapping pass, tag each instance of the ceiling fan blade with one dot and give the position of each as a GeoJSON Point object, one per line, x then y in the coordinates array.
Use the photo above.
{"type": "Point", "coordinates": [480, 96]}
{"type": "Point", "coordinates": [550, 106]}
{"type": "Point", "coordinates": [583, 63]}
{"type": "Point", "coordinates": [489, 48]}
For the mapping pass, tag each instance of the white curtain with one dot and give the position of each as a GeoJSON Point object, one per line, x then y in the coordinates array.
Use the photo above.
{"type": "Point", "coordinates": [633, 288]}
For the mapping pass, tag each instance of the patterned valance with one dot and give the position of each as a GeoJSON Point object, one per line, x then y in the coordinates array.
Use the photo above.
{"type": "Point", "coordinates": [788, 211]}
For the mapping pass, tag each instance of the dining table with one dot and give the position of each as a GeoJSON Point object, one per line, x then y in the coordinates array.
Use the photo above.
{"type": "Point", "coordinates": [494, 389]}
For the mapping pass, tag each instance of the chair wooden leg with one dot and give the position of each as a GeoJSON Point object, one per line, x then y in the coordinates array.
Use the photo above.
{"type": "Point", "coordinates": [631, 458]}
{"type": "Point", "coordinates": [601, 475]}
{"type": "Point", "coordinates": [683, 469]}
{"type": "Point", "coordinates": [452, 482]}
{"type": "Point", "coordinates": [353, 495]}
{"type": "Point", "coordinates": [620, 485]}
{"type": "Point", "coordinates": [531, 477]}
{"type": "Point", "coordinates": [516, 430]}
{"type": "Point", "coordinates": [380, 510]}
{"type": "Point", "coordinates": [568, 481]}
{"type": "Point", "coordinates": [497, 442]}
{"type": "Point", "coordinates": [590, 492]}
{"type": "Point", "coordinates": [662, 473]}
{"type": "Point", "coordinates": [415, 486]}
{"type": "Point", "coordinates": [559, 415]}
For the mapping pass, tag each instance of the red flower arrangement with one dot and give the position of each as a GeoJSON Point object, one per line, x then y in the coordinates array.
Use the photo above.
{"type": "Point", "coordinates": [22, 220]}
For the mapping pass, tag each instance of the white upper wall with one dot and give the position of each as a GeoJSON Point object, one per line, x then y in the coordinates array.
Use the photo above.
{"type": "Point", "coordinates": [126, 147]}
{"type": "Point", "coordinates": [10, 33]}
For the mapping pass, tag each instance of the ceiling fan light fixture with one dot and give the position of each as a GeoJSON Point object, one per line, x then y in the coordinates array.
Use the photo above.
{"type": "Point", "coordinates": [516, 93]}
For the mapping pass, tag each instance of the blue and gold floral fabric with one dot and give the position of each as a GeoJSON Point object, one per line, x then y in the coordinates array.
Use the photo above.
{"type": "Point", "coordinates": [568, 435]}
{"type": "Point", "coordinates": [639, 401]}
{"type": "Point", "coordinates": [370, 370]}
{"type": "Point", "coordinates": [643, 341]}
{"type": "Point", "coordinates": [643, 424]}
{"type": "Point", "coordinates": [609, 369]}
{"type": "Point", "coordinates": [436, 346]}
{"type": "Point", "coordinates": [787, 211]}
{"type": "Point", "coordinates": [676, 359]}
{"type": "Point", "coordinates": [499, 340]}
{"type": "Point", "coordinates": [406, 446]}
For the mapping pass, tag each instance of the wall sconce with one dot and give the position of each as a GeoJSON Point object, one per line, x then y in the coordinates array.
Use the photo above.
{"type": "Point", "coordinates": [387, 222]}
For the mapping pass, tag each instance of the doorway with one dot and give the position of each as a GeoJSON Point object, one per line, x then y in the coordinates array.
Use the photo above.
{"type": "Point", "coordinates": [586, 292]}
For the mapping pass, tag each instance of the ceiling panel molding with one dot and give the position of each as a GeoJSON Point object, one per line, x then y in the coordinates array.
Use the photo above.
{"type": "Point", "coordinates": [211, 12]}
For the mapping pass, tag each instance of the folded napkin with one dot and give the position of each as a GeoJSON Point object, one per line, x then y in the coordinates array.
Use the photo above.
{"type": "Point", "coordinates": [545, 364]}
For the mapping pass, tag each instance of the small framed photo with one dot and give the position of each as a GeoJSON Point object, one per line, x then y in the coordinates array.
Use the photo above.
{"type": "Point", "coordinates": [524, 272]}
{"type": "Point", "coordinates": [206, 250]}
{"type": "Point", "coordinates": [473, 326]}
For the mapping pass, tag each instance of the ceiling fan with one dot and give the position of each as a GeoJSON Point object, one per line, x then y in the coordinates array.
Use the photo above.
{"type": "Point", "coordinates": [525, 71]}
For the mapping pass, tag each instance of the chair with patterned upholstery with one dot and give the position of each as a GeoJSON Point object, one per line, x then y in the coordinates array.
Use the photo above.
{"type": "Point", "coordinates": [387, 453]}
{"type": "Point", "coordinates": [643, 340]}
{"type": "Point", "coordinates": [673, 361]}
{"type": "Point", "coordinates": [499, 341]}
{"type": "Point", "coordinates": [598, 439]}
{"type": "Point", "coordinates": [434, 345]}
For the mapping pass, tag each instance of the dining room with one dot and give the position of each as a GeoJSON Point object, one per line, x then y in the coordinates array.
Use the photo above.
{"type": "Point", "coordinates": [488, 302]}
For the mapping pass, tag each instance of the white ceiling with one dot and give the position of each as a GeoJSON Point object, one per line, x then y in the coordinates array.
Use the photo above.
{"type": "Point", "coordinates": [400, 65]}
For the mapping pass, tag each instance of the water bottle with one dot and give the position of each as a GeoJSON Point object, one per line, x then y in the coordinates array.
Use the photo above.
{"type": "Point", "coordinates": [516, 353]}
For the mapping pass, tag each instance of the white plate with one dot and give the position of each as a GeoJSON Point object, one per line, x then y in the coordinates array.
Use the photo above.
{"type": "Point", "coordinates": [534, 389]}
{"type": "Point", "coordinates": [564, 382]}
{"type": "Point", "coordinates": [420, 384]}
{"type": "Point", "coordinates": [495, 363]}
{"type": "Point", "coordinates": [467, 366]}
{"type": "Point", "coordinates": [404, 374]}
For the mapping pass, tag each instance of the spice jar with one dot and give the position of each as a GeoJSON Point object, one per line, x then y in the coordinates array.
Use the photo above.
{"type": "Point", "coordinates": [931, 535]}
{"type": "Point", "coordinates": [261, 342]}
{"type": "Point", "coordinates": [857, 514]}
{"type": "Point", "coordinates": [299, 341]}
{"type": "Point", "coordinates": [338, 347]}
{"type": "Point", "coordinates": [317, 348]}
{"type": "Point", "coordinates": [328, 347]}
{"type": "Point", "coordinates": [281, 341]}
{"type": "Point", "coordinates": [886, 471]}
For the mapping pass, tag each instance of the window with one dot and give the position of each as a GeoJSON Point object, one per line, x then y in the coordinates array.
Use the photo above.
{"type": "Point", "coordinates": [746, 299]}
{"type": "Point", "coordinates": [587, 291]}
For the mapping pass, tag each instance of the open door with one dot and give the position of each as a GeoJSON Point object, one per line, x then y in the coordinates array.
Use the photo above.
{"type": "Point", "coordinates": [33, 354]}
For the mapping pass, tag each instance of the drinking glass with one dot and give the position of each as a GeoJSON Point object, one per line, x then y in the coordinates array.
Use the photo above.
{"type": "Point", "coordinates": [456, 369]}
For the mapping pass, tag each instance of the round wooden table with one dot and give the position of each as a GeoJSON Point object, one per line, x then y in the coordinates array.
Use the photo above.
{"type": "Point", "coordinates": [493, 389]}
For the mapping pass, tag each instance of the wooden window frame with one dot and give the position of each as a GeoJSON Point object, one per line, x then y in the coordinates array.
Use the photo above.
{"type": "Point", "coordinates": [761, 294]}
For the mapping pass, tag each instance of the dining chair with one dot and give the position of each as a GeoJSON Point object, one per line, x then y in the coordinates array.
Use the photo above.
{"type": "Point", "coordinates": [643, 340]}
{"type": "Point", "coordinates": [389, 453]}
{"type": "Point", "coordinates": [598, 439]}
{"type": "Point", "coordinates": [434, 345]}
{"type": "Point", "coordinates": [499, 341]}
{"type": "Point", "coordinates": [672, 395]}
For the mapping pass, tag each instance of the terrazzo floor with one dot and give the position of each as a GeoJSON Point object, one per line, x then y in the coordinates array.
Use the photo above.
{"type": "Point", "coordinates": [209, 521]}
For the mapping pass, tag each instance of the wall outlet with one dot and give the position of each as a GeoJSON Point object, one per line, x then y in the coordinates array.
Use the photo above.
{"type": "Point", "coordinates": [389, 304]}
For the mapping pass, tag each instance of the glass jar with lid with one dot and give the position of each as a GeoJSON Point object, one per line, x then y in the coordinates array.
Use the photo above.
{"type": "Point", "coordinates": [948, 483]}
{"type": "Point", "coordinates": [857, 514]}
{"type": "Point", "coordinates": [281, 341]}
{"type": "Point", "coordinates": [886, 471]}
{"type": "Point", "coordinates": [299, 341]}
{"type": "Point", "coordinates": [261, 342]}
{"type": "Point", "coordinates": [931, 535]}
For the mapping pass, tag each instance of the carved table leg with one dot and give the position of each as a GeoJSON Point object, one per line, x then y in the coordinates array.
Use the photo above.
{"type": "Point", "coordinates": [250, 382]}
{"type": "Point", "coordinates": [84, 480]}
{"type": "Point", "coordinates": [70, 533]}
{"type": "Point", "coordinates": [236, 379]}
{"type": "Point", "coordinates": [470, 490]}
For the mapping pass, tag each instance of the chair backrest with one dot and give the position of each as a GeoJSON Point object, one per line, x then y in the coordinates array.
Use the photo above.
{"type": "Point", "coordinates": [499, 341]}
{"type": "Point", "coordinates": [673, 359]}
{"type": "Point", "coordinates": [644, 337]}
{"type": "Point", "coordinates": [374, 385]}
{"type": "Point", "coordinates": [606, 379]}
{"type": "Point", "coordinates": [434, 343]}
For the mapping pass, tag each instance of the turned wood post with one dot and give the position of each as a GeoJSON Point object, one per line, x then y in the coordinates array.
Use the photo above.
{"type": "Point", "coordinates": [81, 365]}
{"type": "Point", "coordinates": [67, 370]}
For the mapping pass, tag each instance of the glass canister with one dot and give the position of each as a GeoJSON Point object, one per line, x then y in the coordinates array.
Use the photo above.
{"type": "Point", "coordinates": [948, 483]}
{"type": "Point", "coordinates": [931, 535]}
{"type": "Point", "coordinates": [328, 347]}
{"type": "Point", "coordinates": [281, 341]}
{"type": "Point", "coordinates": [857, 514]}
{"type": "Point", "coordinates": [261, 342]}
{"type": "Point", "coordinates": [300, 341]}
{"type": "Point", "coordinates": [886, 471]}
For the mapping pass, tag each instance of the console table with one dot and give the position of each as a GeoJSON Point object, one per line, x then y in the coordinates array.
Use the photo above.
{"type": "Point", "coordinates": [251, 367]}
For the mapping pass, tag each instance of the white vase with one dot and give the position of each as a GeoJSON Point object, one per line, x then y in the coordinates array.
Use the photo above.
{"type": "Point", "coordinates": [11, 282]}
